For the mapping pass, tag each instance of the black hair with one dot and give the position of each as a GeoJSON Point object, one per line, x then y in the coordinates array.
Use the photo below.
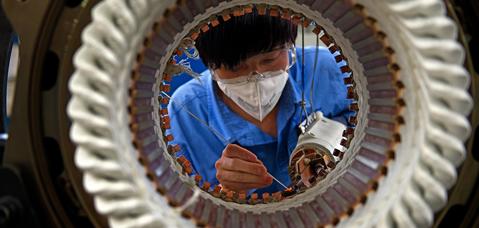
{"type": "Point", "coordinates": [239, 38]}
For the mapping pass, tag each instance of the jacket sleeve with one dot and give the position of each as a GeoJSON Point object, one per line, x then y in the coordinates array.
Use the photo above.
{"type": "Point", "coordinates": [197, 143]}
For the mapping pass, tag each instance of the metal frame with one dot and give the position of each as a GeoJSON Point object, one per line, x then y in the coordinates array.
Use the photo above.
{"type": "Point", "coordinates": [40, 114]}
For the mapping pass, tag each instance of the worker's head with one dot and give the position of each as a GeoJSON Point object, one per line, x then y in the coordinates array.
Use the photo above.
{"type": "Point", "coordinates": [246, 44]}
{"type": "Point", "coordinates": [248, 57]}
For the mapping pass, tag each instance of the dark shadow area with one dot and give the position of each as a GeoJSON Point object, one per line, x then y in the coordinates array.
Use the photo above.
{"type": "Point", "coordinates": [73, 3]}
{"type": "Point", "coordinates": [50, 70]}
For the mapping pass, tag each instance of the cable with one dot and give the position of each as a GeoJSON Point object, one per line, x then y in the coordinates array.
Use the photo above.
{"type": "Point", "coordinates": [314, 73]}
{"type": "Point", "coordinates": [303, 103]}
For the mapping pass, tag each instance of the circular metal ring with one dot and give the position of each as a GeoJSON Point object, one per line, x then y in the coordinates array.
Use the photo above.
{"type": "Point", "coordinates": [426, 60]}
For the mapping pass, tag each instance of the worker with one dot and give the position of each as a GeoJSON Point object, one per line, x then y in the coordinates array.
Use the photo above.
{"type": "Point", "coordinates": [238, 123]}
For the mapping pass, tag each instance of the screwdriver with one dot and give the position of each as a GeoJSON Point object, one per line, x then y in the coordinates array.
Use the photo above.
{"type": "Point", "coordinates": [279, 182]}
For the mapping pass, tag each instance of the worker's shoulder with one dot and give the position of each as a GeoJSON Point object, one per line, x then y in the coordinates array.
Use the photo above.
{"type": "Point", "coordinates": [310, 52]}
{"type": "Point", "coordinates": [193, 91]}
{"type": "Point", "coordinates": [312, 49]}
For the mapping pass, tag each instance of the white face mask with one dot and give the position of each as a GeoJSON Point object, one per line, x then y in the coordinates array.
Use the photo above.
{"type": "Point", "coordinates": [256, 94]}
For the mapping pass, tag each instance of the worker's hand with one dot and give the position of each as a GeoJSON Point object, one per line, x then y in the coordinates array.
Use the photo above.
{"type": "Point", "coordinates": [239, 170]}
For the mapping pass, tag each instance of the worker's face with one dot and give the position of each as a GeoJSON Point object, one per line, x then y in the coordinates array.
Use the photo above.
{"type": "Point", "coordinates": [264, 62]}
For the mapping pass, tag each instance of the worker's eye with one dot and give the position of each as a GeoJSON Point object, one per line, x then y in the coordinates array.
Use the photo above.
{"type": "Point", "coordinates": [268, 61]}
{"type": "Point", "coordinates": [271, 57]}
{"type": "Point", "coordinates": [239, 67]}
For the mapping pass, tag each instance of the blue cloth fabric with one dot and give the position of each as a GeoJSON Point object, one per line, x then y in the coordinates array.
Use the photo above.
{"type": "Point", "coordinates": [202, 141]}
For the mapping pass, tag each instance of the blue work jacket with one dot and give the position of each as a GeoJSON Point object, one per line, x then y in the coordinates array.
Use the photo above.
{"type": "Point", "coordinates": [202, 141]}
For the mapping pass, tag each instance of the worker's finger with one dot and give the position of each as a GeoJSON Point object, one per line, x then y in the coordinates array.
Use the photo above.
{"type": "Point", "coordinates": [238, 165]}
{"type": "Point", "coordinates": [225, 189]}
{"type": "Point", "coordinates": [241, 187]}
{"type": "Point", "coordinates": [235, 151]}
{"type": "Point", "coordinates": [240, 177]}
